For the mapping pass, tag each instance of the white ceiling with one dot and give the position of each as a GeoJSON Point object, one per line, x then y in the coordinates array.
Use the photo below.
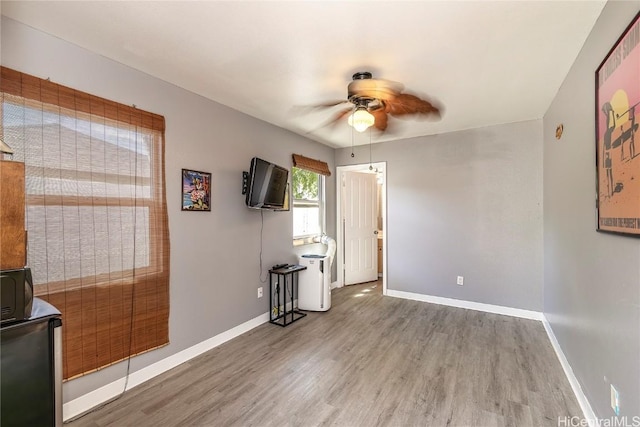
{"type": "Point", "coordinates": [486, 62]}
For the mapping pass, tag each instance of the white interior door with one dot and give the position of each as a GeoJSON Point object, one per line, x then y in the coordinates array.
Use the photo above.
{"type": "Point", "coordinates": [360, 225]}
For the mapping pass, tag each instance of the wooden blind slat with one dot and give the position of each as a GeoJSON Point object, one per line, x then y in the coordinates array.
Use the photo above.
{"type": "Point", "coordinates": [312, 165]}
{"type": "Point", "coordinates": [66, 99]}
{"type": "Point", "coordinates": [10, 81]}
{"type": "Point", "coordinates": [82, 102]}
{"type": "Point", "coordinates": [30, 87]}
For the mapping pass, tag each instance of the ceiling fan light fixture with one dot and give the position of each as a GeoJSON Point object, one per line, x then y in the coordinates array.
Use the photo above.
{"type": "Point", "coordinates": [361, 119]}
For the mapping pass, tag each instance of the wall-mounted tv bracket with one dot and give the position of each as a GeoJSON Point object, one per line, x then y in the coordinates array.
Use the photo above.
{"type": "Point", "coordinates": [245, 182]}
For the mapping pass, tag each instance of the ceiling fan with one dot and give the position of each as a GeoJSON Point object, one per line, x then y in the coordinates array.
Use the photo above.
{"type": "Point", "coordinates": [371, 102]}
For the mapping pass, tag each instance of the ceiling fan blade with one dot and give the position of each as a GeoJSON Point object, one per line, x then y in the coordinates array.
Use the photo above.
{"type": "Point", "coordinates": [405, 104]}
{"type": "Point", "coordinates": [306, 109]}
{"type": "Point", "coordinates": [330, 103]}
{"type": "Point", "coordinates": [339, 116]}
{"type": "Point", "coordinates": [381, 119]}
{"type": "Point", "coordinates": [333, 120]}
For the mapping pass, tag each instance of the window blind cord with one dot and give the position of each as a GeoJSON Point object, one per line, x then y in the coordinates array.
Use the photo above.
{"type": "Point", "coordinates": [103, 137]}
{"type": "Point", "coordinates": [133, 255]}
{"type": "Point", "coordinates": [44, 192]}
{"type": "Point", "coordinates": [93, 225]}
{"type": "Point", "coordinates": [128, 372]}
{"type": "Point", "coordinates": [261, 230]}
{"type": "Point", "coordinates": [75, 141]}
{"type": "Point", "coordinates": [64, 260]}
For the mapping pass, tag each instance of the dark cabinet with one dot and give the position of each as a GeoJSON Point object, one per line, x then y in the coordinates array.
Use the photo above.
{"type": "Point", "coordinates": [31, 369]}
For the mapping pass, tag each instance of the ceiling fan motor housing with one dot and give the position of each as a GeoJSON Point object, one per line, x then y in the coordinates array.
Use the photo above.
{"type": "Point", "coordinates": [362, 75]}
{"type": "Point", "coordinates": [364, 88]}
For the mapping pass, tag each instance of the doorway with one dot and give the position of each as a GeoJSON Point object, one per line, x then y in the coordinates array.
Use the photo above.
{"type": "Point", "coordinates": [352, 258]}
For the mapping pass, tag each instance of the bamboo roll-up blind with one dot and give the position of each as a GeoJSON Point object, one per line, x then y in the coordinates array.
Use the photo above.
{"type": "Point", "coordinates": [310, 164]}
{"type": "Point", "coordinates": [96, 219]}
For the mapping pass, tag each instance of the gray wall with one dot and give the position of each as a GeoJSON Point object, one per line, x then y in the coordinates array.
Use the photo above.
{"type": "Point", "coordinates": [465, 203]}
{"type": "Point", "coordinates": [591, 280]}
{"type": "Point", "coordinates": [214, 256]}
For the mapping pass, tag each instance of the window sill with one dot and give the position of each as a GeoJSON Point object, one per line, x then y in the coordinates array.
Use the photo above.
{"type": "Point", "coordinates": [305, 240]}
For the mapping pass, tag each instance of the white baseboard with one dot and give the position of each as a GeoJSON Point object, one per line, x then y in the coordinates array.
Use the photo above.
{"type": "Point", "coordinates": [470, 305]}
{"type": "Point", "coordinates": [90, 400]}
{"type": "Point", "coordinates": [589, 415]}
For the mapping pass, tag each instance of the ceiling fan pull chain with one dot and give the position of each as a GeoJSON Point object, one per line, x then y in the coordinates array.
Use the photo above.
{"type": "Point", "coordinates": [352, 155]}
{"type": "Point", "coordinates": [370, 164]}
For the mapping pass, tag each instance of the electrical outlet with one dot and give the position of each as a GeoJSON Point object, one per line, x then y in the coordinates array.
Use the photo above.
{"type": "Point", "coordinates": [460, 280]}
{"type": "Point", "coordinates": [615, 400]}
{"type": "Point", "coordinates": [260, 292]}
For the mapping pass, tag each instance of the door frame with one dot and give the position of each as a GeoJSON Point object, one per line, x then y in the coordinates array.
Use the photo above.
{"type": "Point", "coordinates": [340, 170]}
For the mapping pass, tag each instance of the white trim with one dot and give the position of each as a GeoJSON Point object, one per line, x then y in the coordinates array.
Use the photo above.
{"type": "Point", "coordinates": [587, 411]}
{"type": "Point", "coordinates": [306, 239]}
{"type": "Point", "coordinates": [92, 399]}
{"type": "Point", "coordinates": [470, 305]}
{"type": "Point", "coordinates": [385, 230]}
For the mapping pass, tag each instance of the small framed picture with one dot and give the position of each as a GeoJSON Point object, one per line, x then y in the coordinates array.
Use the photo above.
{"type": "Point", "coordinates": [196, 190]}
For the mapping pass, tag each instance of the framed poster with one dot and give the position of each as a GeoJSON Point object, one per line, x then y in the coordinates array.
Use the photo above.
{"type": "Point", "coordinates": [196, 190]}
{"type": "Point", "coordinates": [618, 136]}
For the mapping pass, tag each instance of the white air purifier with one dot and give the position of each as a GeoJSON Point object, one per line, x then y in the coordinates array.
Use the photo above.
{"type": "Point", "coordinates": [314, 283]}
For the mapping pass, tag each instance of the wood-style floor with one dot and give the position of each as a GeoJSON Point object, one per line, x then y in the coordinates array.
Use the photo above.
{"type": "Point", "coordinates": [369, 361]}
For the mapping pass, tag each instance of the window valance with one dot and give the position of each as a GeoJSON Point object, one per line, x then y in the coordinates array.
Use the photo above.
{"type": "Point", "coordinates": [312, 165]}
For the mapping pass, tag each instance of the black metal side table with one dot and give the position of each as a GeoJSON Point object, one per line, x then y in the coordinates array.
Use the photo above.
{"type": "Point", "coordinates": [283, 282]}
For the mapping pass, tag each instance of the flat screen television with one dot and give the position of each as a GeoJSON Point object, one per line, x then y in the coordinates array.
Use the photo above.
{"type": "Point", "coordinates": [267, 185]}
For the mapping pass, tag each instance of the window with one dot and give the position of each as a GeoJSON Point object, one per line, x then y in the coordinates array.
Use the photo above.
{"type": "Point", "coordinates": [308, 203]}
{"type": "Point", "coordinates": [98, 242]}
{"type": "Point", "coordinates": [307, 182]}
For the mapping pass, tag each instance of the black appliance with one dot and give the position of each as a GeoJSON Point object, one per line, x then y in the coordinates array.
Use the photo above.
{"type": "Point", "coordinates": [31, 369]}
{"type": "Point", "coordinates": [16, 294]}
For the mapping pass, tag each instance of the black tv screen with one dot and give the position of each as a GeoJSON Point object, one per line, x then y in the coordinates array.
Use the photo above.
{"type": "Point", "coordinates": [267, 185]}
